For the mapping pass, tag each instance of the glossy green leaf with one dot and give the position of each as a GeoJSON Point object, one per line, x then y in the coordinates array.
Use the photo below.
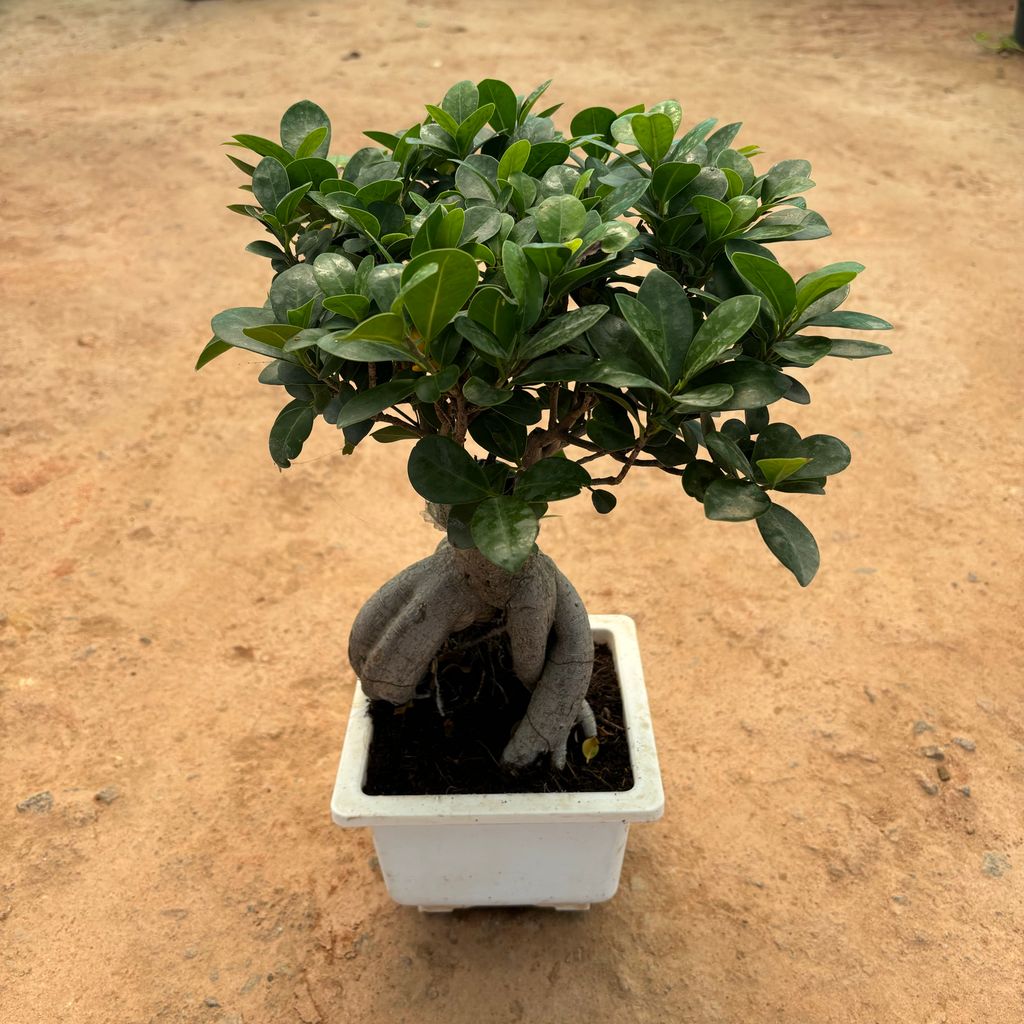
{"type": "Point", "coordinates": [434, 302]}
{"type": "Point", "coordinates": [726, 324]}
{"type": "Point", "coordinates": [727, 453]}
{"type": "Point", "coordinates": [504, 530]}
{"type": "Point", "coordinates": [355, 307]}
{"type": "Point", "coordinates": [813, 286]}
{"type": "Point", "coordinates": [461, 100]}
{"type": "Point", "coordinates": [666, 299]}
{"type": "Point", "coordinates": [734, 501]}
{"type": "Point", "coordinates": [654, 134]}
{"type": "Point", "coordinates": [671, 178]}
{"type": "Point", "coordinates": [777, 470]}
{"type": "Point", "coordinates": [753, 384]}
{"type": "Point", "coordinates": [299, 120]}
{"type": "Point", "coordinates": [270, 183]}
{"type": "Point", "coordinates": [263, 147]}
{"type": "Point", "coordinates": [367, 404]}
{"type": "Point", "coordinates": [712, 396]}
{"type": "Point", "coordinates": [803, 350]}
{"type": "Point", "coordinates": [312, 143]}
{"type": "Point", "coordinates": [514, 159]}
{"type": "Point", "coordinates": [334, 273]}
{"type": "Point", "coordinates": [561, 331]}
{"type": "Point", "coordinates": [442, 471]}
{"type": "Point", "coordinates": [791, 542]}
{"type": "Point", "coordinates": [498, 434]}
{"type": "Point", "coordinates": [430, 389]}
{"type": "Point", "coordinates": [848, 348]}
{"type": "Point", "coordinates": [551, 479]}
{"type": "Point", "coordinates": [769, 279]}
{"type": "Point", "coordinates": [213, 348]}
{"type": "Point", "coordinates": [849, 320]}
{"type": "Point", "coordinates": [503, 117]}
{"type": "Point", "coordinates": [714, 214]}
{"type": "Point", "coordinates": [293, 425]}
{"type": "Point", "coordinates": [560, 218]}
{"type": "Point", "coordinates": [479, 392]}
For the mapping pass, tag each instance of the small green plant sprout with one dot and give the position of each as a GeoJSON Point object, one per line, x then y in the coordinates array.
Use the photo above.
{"type": "Point", "coordinates": [516, 302]}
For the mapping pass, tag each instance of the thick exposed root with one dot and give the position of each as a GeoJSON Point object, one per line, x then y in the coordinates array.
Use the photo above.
{"type": "Point", "coordinates": [402, 628]}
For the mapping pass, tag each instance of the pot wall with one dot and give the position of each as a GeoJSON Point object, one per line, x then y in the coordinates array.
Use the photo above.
{"type": "Point", "coordinates": [545, 849]}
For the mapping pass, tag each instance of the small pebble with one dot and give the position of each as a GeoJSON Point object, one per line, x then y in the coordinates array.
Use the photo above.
{"type": "Point", "coordinates": [966, 790]}
{"type": "Point", "coordinates": [934, 753]}
{"type": "Point", "coordinates": [927, 785]}
{"type": "Point", "coordinates": [922, 726]}
{"type": "Point", "coordinates": [211, 1002]}
{"type": "Point", "coordinates": [900, 898]}
{"type": "Point", "coordinates": [107, 795]}
{"type": "Point", "coordinates": [352, 55]}
{"type": "Point", "coordinates": [191, 953]}
{"type": "Point", "coordinates": [963, 741]}
{"type": "Point", "coordinates": [943, 773]}
{"type": "Point", "coordinates": [38, 803]}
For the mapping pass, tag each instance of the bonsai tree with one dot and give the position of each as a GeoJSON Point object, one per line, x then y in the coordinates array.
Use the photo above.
{"type": "Point", "coordinates": [515, 304]}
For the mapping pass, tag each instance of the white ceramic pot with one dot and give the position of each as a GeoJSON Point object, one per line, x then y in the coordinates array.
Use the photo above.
{"type": "Point", "coordinates": [561, 850]}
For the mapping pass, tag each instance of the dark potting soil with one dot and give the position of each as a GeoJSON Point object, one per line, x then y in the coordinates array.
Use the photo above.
{"type": "Point", "coordinates": [449, 739]}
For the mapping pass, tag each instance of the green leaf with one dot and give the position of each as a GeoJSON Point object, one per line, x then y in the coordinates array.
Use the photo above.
{"type": "Point", "coordinates": [355, 307]}
{"type": "Point", "coordinates": [493, 90]}
{"type": "Point", "coordinates": [548, 257]}
{"type": "Point", "coordinates": [430, 389]}
{"type": "Point", "coordinates": [804, 350]}
{"type": "Point", "coordinates": [666, 299]}
{"type": "Point", "coordinates": [498, 434]}
{"type": "Point", "coordinates": [299, 120]}
{"type": "Point", "coordinates": [263, 147]}
{"type": "Point", "coordinates": [287, 208]}
{"type": "Point", "coordinates": [813, 286]}
{"type": "Point", "coordinates": [513, 160]}
{"type": "Point", "coordinates": [593, 121]}
{"type": "Point", "coordinates": [292, 289]}
{"type": "Point", "coordinates": [848, 348]}
{"type": "Point", "coordinates": [850, 320]}
{"type": "Point", "coordinates": [293, 425]}
{"type": "Point", "coordinates": [604, 501]}
{"type": "Point", "coordinates": [611, 428]}
{"type": "Point", "coordinates": [545, 155]}
{"type": "Point", "coordinates": [367, 404]}
{"type": "Point", "coordinates": [715, 215]}
{"type": "Point", "coordinates": [476, 177]}
{"type": "Point", "coordinates": [646, 327]}
{"type": "Point", "coordinates": [551, 479]}
{"type": "Point", "coordinates": [727, 453]}
{"type": "Point", "coordinates": [654, 134]}
{"type": "Point", "coordinates": [270, 183]}
{"type": "Point", "coordinates": [479, 392]}
{"type": "Point", "coordinates": [461, 100]}
{"type": "Point", "coordinates": [727, 323]}
{"type": "Point", "coordinates": [791, 542]}
{"type": "Point", "coordinates": [671, 178]}
{"type": "Point", "coordinates": [334, 274]}
{"type": "Point", "coordinates": [560, 218]}
{"type": "Point", "coordinates": [214, 347]}
{"type": "Point", "coordinates": [753, 384]}
{"type": "Point", "coordinates": [504, 530]}
{"type": "Point", "coordinates": [319, 173]}
{"type": "Point", "coordinates": [442, 471]}
{"type": "Point", "coordinates": [734, 501]}
{"type": "Point", "coordinates": [623, 198]}
{"type": "Point", "coordinates": [527, 105]}
{"type": "Point", "coordinates": [713, 396]}
{"type": "Point", "coordinates": [698, 476]}
{"type": "Point", "coordinates": [433, 302]}
{"type": "Point", "coordinates": [310, 145]}
{"type": "Point", "coordinates": [230, 326]}
{"type": "Point", "coordinates": [768, 278]}
{"type": "Point", "coordinates": [473, 124]}
{"type": "Point", "coordinates": [444, 119]}
{"type": "Point", "coordinates": [561, 331]}
{"type": "Point", "coordinates": [777, 470]}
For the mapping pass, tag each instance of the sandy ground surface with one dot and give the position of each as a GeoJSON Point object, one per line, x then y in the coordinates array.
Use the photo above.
{"type": "Point", "coordinates": [174, 609]}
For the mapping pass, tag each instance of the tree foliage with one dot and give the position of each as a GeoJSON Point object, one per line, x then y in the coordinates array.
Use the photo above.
{"type": "Point", "coordinates": [482, 278]}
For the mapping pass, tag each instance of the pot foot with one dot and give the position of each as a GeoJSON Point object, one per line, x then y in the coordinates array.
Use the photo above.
{"type": "Point", "coordinates": [570, 906]}
{"type": "Point", "coordinates": [431, 909]}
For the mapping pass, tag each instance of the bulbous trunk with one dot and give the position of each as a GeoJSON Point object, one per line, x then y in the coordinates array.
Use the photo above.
{"type": "Point", "coordinates": [404, 625]}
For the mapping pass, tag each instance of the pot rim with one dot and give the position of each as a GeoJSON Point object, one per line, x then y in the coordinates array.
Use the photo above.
{"type": "Point", "coordinates": [351, 807]}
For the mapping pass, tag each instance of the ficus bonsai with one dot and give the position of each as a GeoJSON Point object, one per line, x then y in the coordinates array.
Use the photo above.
{"type": "Point", "coordinates": [474, 285]}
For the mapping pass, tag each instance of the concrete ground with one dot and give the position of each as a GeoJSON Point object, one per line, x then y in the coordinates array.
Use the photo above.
{"type": "Point", "coordinates": [174, 611]}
